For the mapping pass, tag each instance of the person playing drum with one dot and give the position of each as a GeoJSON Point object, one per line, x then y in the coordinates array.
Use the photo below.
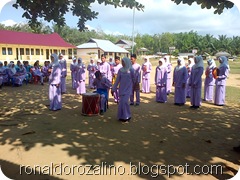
{"type": "Point", "coordinates": [102, 84]}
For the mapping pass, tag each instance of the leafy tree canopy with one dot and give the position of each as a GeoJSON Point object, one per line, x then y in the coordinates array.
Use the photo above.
{"type": "Point", "coordinates": [218, 5]}
{"type": "Point", "coordinates": [56, 9]}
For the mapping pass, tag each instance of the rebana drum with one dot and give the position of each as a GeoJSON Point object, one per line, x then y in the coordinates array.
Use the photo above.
{"type": "Point", "coordinates": [90, 104]}
{"type": "Point", "coordinates": [215, 72]}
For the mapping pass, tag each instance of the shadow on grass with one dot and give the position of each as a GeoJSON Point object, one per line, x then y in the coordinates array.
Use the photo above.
{"type": "Point", "coordinates": [158, 134]}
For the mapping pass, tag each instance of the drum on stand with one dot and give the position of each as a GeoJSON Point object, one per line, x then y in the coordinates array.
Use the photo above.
{"type": "Point", "coordinates": [90, 104]}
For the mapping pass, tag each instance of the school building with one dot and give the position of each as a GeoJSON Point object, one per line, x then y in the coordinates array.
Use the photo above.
{"type": "Point", "coordinates": [95, 47]}
{"type": "Point", "coordinates": [29, 46]}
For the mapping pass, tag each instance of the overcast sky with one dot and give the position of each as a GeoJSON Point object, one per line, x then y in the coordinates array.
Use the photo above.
{"type": "Point", "coordinates": [159, 16]}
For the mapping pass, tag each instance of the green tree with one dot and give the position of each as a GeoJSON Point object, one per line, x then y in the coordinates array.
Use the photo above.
{"type": "Point", "coordinates": [167, 40]}
{"type": "Point", "coordinates": [54, 10]}
{"type": "Point", "coordinates": [218, 5]}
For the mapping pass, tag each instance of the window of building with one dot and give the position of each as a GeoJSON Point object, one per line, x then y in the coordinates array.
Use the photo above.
{"type": "Point", "coordinates": [32, 51]}
{"type": "Point", "coordinates": [27, 51]}
{"type": "Point", "coordinates": [55, 51]}
{"type": "Point", "coordinates": [42, 52]}
{"type": "Point", "coordinates": [110, 54]}
{"type": "Point", "coordinates": [37, 51]}
{"type": "Point", "coordinates": [4, 51]}
{"type": "Point", "coordinates": [75, 52]}
{"type": "Point", "coordinates": [63, 52]}
{"type": "Point", "coordinates": [21, 51]}
{"type": "Point", "coordinates": [10, 51]}
{"type": "Point", "coordinates": [69, 53]}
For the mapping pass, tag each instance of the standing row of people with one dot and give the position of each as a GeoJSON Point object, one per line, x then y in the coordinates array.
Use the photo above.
{"type": "Point", "coordinates": [188, 82]}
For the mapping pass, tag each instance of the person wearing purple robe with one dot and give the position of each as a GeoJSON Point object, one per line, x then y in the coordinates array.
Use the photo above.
{"type": "Point", "coordinates": [3, 73]}
{"type": "Point", "coordinates": [169, 76]}
{"type": "Point", "coordinates": [125, 80]}
{"type": "Point", "coordinates": [105, 68]}
{"type": "Point", "coordinates": [223, 72]}
{"type": "Point", "coordinates": [37, 71]}
{"type": "Point", "coordinates": [5, 64]}
{"type": "Point", "coordinates": [189, 69]}
{"type": "Point", "coordinates": [1, 82]}
{"type": "Point", "coordinates": [45, 70]}
{"type": "Point", "coordinates": [161, 82]}
{"type": "Point", "coordinates": [209, 81]}
{"type": "Point", "coordinates": [28, 69]}
{"type": "Point", "coordinates": [21, 74]}
{"type": "Point", "coordinates": [179, 82]}
{"type": "Point", "coordinates": [137, 78]}
{"type": "Point", "coordinates": [103, 85]}
{"type": "Point", "coordinates": [92, 68]}
{"type": "Point", "coordinates": [195, 82]}
{"type": "Point", "coordinates": [111, 62]}
{"type": "Point", "coordinates": [115, 70]}
{"type": "Point", "coordinates": [1, 76]}
{"type": "Point", "coordinates": [55, 96]}
{"type": "Point", "coordinates": [73, 69]}
{"type": "Point", "coordinates": [146, 70]}
{"type": "Point", "coordinates": [63, 64]}
{"type": "Point", "coordinates": [81, 77]}
{"type": "Point", "coordinates": [12, 74]}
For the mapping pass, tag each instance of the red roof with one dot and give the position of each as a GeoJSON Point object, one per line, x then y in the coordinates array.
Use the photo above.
{"type": "Point", "coordinates": [25, 38]}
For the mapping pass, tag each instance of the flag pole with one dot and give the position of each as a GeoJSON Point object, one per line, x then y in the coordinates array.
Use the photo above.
{"type": "Point", "coordinates": [133, 28]}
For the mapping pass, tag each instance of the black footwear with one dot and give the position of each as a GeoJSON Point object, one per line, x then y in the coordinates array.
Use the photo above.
{"type": "Point", "coordinates": [137, 104]}
{"type": "Point", "coordinates": [131, 104]}
{"type": "Point", "coordinates": [192, 106]}
{"type": "Point", "coordinates": [237, 148]}
{"type": "Point", "coordinates": [42, 84]}
{"type": "Point", "coordinates": [101, 112]}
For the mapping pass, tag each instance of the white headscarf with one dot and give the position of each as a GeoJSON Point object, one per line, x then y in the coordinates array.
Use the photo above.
{"type": "Point", "coordinates": [163, 63]}
{"type": "Point", "coordinates": [198, 63]}
{"type": "Point", "coordinates": [12, 68]}
{"type": "Point", "coordinates": [182, 63]}
{"type": "Point", "coordinates": [74, 59]}
{"type": "Point", "coordinates": [128, 64]}
{"type": "Point", "coordinates": [224, 62]}
{"type": "Point", "coordinates": [62, 59]}
{"type": "Point", "coordinates": [146, 58]}
{"type": "Point", "coordinates": [21, 67]}
{"type": "Point", "coordinates": [55, 61]}
{"type": "Point", "coordinates": [191, 62]}
{"type": "Point", "coordinates": [167, 60]}
{"type": "Point", "coordinates": [212, 63]}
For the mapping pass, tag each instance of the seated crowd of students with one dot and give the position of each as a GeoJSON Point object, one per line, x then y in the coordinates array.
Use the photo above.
{"type": "Point", "coordinates": [16, 74]}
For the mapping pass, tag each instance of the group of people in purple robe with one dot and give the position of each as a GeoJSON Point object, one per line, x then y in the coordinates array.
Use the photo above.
{"type": "Point", "coordinates": [15, 74]}
{"type": "Point", "coordinates": [187, 81]}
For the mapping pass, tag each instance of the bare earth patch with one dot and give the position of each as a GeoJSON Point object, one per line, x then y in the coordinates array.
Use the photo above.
{"type": "Point", "coordinates": [160, 140]}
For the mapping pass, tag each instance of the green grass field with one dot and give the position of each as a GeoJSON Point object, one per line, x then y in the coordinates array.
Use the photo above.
{"type": "Point", "coordinates": [234, 67]}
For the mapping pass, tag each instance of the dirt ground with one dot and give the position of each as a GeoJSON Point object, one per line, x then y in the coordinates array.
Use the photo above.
{"type": "Point", "coordinates": [162, 141]}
